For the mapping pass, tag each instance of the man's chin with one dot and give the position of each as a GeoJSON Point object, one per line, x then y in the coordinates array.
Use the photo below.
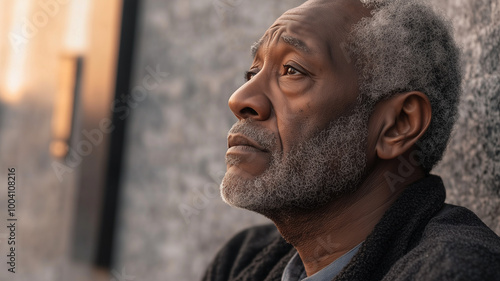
{"type": "Point", "coordinates": [240, 188]}
{"type": "Point", "coordinates": [236, 193]}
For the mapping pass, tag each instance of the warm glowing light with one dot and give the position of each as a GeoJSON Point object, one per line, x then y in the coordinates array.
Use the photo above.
{"type": "Point", "coordinates": [18, 35]}
{"type": "Point", "coordinates": [59, 148]}
{"type": "Point", "coordinates": [76, 34]}
{"type": "Point", "coordinates": [14, 76]}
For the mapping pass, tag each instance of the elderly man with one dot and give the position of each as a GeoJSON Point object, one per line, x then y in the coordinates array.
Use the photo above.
{"type": "Point", "coordinates": [346, 109]}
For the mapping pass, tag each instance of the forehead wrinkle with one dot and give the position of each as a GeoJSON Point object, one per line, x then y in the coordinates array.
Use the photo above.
{"type": "Point", "coordinates": [256, 46]}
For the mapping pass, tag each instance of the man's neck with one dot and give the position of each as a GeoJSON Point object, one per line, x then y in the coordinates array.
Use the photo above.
{"type": "Point", "coordinates": [324, 235]}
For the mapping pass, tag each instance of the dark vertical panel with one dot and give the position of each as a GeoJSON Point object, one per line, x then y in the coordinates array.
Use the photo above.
{"type": "Point", "coordinates": [104, 251]}
{"type": "Point", "coordinates": [76, 99]}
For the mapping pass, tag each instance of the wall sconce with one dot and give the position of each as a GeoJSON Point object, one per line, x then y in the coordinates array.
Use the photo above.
{"type": "Point", "coordinates": [67, 99]}
{"type": "Point", "coordinates": [70, 78]}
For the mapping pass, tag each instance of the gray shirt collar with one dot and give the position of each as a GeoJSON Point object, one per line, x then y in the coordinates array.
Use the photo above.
{"type": "Point", "coordinates": [295, 271]}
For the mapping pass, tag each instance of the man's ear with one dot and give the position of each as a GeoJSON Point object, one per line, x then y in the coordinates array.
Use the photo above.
{"type": "Point", "coordinates": [405, 117]}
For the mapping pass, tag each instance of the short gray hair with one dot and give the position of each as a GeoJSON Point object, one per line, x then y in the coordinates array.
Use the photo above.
{"type": "Point", "coordinates": [406, 46]}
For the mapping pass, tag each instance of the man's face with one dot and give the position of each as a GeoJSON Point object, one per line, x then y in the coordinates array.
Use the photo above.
{"type": "Point", "coordinates": [301, 135]}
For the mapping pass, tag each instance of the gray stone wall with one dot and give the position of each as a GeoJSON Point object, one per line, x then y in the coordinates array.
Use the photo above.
{"type": "Point", "coordinates": [471, 166]}
{"type": "Point", "coordinates": [172, 220]}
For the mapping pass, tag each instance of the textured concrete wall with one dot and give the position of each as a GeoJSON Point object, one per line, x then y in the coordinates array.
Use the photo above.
{"type": "Point", "coordinates": [471, 166]}
{"type": "Point", "coordinates": [172, 220]}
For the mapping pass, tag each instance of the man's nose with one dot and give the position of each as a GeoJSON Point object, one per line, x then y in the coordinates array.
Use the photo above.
{"type": "Point", "coordinates": [250, 101]}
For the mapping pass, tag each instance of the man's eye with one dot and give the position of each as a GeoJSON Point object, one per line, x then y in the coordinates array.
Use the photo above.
{"type": "Point", "coordinates": [249, 75]}
{"type": "Point", "coordinates": [290, 70]}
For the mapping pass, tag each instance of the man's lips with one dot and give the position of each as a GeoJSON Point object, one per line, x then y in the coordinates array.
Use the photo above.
{"type": "Point", "coordinates": [238, 142]}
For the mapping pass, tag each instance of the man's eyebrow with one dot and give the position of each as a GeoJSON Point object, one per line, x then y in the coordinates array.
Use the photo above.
{"type": "Point", "coordinates": [292, 41]}
{"type": "Point", "coordinates": [296, 43]}
{"type": "Point", "coordinates": [255, 47]}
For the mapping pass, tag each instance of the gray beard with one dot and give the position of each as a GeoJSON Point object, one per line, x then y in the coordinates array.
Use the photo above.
{"type": "Point", "coordinates": [328, 165]}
